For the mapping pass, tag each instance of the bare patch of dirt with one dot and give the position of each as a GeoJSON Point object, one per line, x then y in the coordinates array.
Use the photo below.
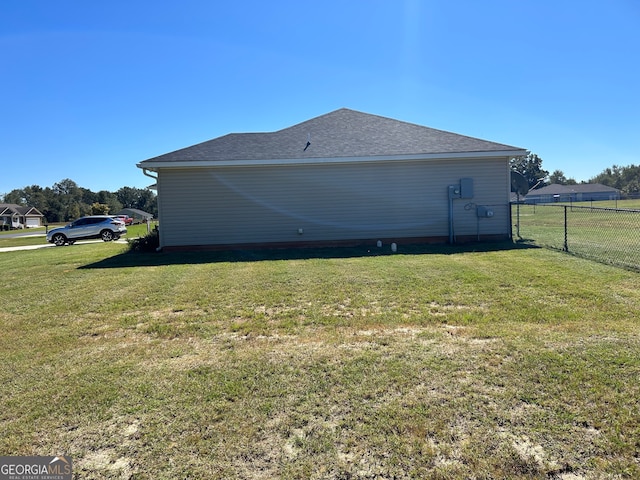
{"type": "Point", "coordinates": [105, 445]}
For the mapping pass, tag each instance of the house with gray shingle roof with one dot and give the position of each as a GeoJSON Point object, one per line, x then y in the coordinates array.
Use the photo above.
{"type": "Point", "coordinates": [17, 216]}
{"type": "Point", "coordinates": [343, 177]}
{"type": "Point", "coordinates": [139, 216]}
{"type": "Point", "coordinates": [584, 192]}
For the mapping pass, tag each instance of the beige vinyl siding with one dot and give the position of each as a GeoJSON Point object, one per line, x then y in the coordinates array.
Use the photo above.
{"type": "Point", "coordinates": [339, 201]}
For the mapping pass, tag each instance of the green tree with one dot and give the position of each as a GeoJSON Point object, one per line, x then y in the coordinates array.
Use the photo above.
{"type": "Point", "coordinates": [35, 196]}
{"type": "Point", "coordinates": [67, 201]}
{"type": "Point", "coordinates": [633, 187]}
{"type": "Point", "coordinates": [530, 166]}
{"type": "Point", "coordinates": [14, 196]}
{"type": "Point", "coordinates": [557, 177]}
{"type": "Point", "coordinates": [148, 202]}
{"type": "Point", "coordinates": [68, 187]}
{"type": "Point", "coordinates": [70, 200]}
{"type": "Point", "coordinates": [140, 198]}
{"type": "Point", "coordinates": [109, 199]}
{"type": "Point", "coordinates": [128, 197]}
{"type": "Point", "coordinates": [72, 211]}
{"type": "Point", "coordinates": [625, 179]}
{"type": "Point", "coordinates": [99, 209]}
{"type": "Point", "coordinates": [52, 209]}
{"type": "Point", "coordinates": [88, 197]}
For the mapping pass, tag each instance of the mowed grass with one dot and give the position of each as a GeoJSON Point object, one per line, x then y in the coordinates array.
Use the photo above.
{"type": "Point", "coordinates": [37, 236]}
{"type": "Point", "coordinates": [600, 233]}
{"type": "Point", "coordinates": [327, 364]}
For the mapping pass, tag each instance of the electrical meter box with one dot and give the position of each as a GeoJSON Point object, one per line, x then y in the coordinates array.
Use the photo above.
{"type": "Point", "coordinates": [483, 211]}
{"type": "Point", "coordinates": [466, 188]}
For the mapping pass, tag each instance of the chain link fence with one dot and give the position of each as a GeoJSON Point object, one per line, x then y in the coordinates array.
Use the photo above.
{"type": "Point", "coordinates": [607, 235]}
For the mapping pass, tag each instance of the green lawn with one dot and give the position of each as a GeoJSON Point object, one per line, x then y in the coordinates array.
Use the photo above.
{"type": "Point", "coordinates": [600, 233]}
{"type": "Point", "coordinates": [505, 362]}
{"type": "Point", "coordinates": [631, 204]}
{"type": "Point", "coordinates": [37, 236]}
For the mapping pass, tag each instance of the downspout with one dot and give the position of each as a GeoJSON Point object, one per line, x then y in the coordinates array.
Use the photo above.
{"type": "Point", "coordinates": [451, 220]}
{"type": "Point", "coordinates": [147, 174]}
{"type": "Point", "coordinates": [453, 192]}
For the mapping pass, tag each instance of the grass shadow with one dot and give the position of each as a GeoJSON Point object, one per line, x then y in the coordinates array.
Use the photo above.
{"type": "Point", "coordinates": [130, 259]}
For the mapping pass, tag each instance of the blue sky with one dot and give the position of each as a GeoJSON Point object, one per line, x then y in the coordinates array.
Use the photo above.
{"type": "Point", "coordinates": [89, 89]}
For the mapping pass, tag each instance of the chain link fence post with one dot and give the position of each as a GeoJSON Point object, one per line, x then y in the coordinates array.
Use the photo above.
{"type": "Point", "coordinates": [566, 242]}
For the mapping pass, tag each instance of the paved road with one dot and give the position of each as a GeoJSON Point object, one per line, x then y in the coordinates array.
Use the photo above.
{"type": "Point", "coordinates": [23, 234]}
{"type": "Point", "coordinates": [26, 247]}
{"type": "Point", "coordinates": [49, 245]}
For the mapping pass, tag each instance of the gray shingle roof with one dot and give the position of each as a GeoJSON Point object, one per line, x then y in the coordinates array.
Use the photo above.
{"type": "Point", "coordinates": [343, 133]}
{"type": "Point", "coordinates": [141, 213]}
{"type": "Point", "coordinates": [557, 189]}
{"type": "Point", "coordinates": [12, 208]}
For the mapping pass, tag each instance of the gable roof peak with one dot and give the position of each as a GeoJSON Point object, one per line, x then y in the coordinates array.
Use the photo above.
{"type": "Point", "coordinates": [340, 134]}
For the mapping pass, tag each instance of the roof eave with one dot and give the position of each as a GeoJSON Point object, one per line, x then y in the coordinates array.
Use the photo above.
{"type": "Point", "coordinates": [154, 165]}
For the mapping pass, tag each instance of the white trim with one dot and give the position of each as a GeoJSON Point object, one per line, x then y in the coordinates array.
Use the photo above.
{"type": "Point", "coordinates": [151, 165]}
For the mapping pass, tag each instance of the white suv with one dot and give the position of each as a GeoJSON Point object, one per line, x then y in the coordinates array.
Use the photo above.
{"type": "Point", "coordinates": [97, 226]}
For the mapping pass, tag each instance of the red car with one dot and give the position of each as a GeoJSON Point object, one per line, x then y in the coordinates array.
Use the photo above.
{"type": "Point", "coordinates": [124, 218]}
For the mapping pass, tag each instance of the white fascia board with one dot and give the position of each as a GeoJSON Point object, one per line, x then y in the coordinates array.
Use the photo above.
{"type": "Point", "coordinates": [318, 161]}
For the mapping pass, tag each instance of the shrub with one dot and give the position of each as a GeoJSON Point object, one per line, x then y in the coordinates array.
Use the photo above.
{"type": "Point", "coordinates": [149, 243]}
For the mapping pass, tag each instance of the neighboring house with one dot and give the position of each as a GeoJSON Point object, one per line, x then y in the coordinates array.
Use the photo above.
{"type": "Point", "coordinates": [342, 178]}
{"type": "Point", "coordinates": [583, 192]}
{"type": "Point", "coordinates": [138, 216]}
{"type": "Point", "coordinates": [515, 198]}
{"type": "Point", "coordinates": [16, 216]}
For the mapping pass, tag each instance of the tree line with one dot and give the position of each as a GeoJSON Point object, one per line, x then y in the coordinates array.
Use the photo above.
{"type": "Point", "coordinates": [625, 179]}
{"type": "Point", "coordinates": [66, 201]}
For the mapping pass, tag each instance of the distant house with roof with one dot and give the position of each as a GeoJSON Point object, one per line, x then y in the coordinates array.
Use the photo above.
{"type": "Point", "coordinates": [584, 192]}
{"type": "Point", "coordinates": [17, 216]}
{"type": "Point", "coordinates": [345, 177]}
{"type": "Point", "coordinates": [139, 216]}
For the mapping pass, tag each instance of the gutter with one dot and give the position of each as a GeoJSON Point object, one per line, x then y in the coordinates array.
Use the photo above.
{"type": "Point", "coordinates": [153, 164]}
{"type": "Point", "coordinates": [146, 173]}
